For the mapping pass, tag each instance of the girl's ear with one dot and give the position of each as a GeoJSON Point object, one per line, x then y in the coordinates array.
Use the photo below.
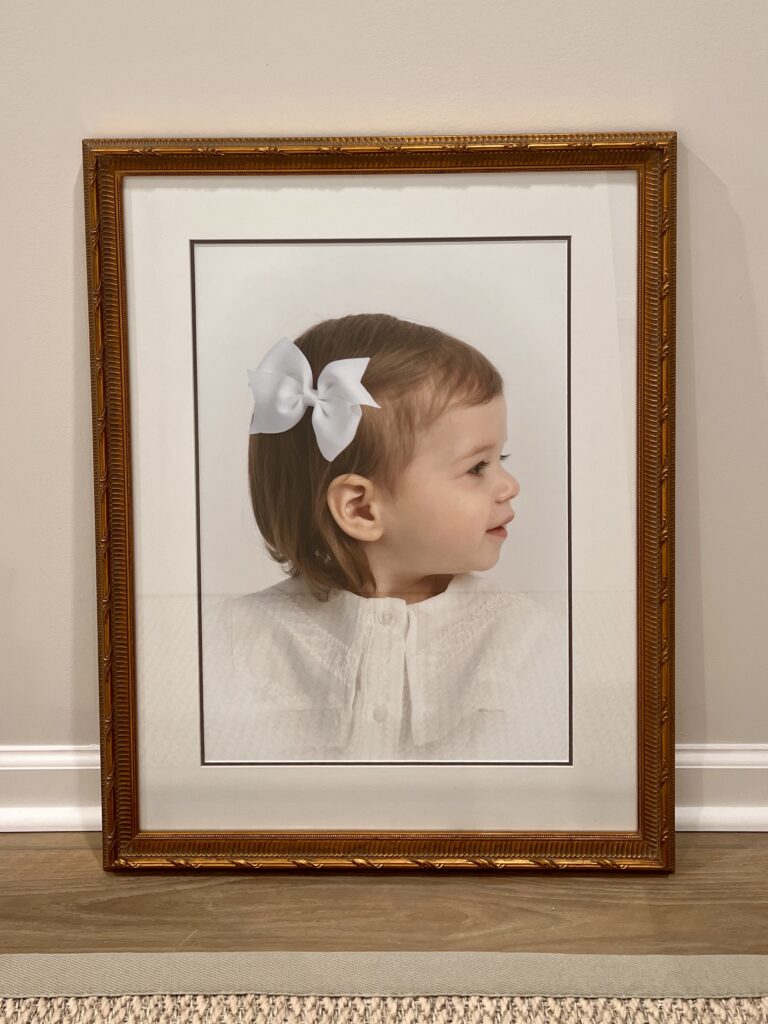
{"type": "Point", "coordinates": [351, 502]}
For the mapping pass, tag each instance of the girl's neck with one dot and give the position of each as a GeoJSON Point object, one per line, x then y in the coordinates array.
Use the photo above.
{"type": "Point", "coordinates": [421, 590]}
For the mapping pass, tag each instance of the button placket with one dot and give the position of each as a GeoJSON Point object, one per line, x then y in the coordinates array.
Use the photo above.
{"type": "Point", "coordinates": [380, 724]}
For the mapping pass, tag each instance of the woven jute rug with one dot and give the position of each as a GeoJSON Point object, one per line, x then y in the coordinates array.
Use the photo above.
{"type": "Point", "coordinates": [380, 988]}
{"type": "Point", "coordinates": [259, 1009]}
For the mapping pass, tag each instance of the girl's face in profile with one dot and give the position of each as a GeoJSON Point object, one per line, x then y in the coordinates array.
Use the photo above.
{"type": "Point", "coordinates": [453, 493]}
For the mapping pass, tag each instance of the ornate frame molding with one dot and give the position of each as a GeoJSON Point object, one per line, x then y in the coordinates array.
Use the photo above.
{"type": "Point", "coordinates": [653, 156]}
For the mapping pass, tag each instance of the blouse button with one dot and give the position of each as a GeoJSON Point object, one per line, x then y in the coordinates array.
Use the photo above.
{"type": "Point", "coordinates": [385, 617]}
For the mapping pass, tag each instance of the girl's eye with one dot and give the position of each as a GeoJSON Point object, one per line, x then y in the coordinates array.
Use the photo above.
{"type": "Point", "coordinates": [481, 466]}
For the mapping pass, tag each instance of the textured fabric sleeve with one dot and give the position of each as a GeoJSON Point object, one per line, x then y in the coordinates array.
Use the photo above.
{"type": "Point", "coordinates": [274, 689]}
{"type": "Point", "coordinates": [502, 694]}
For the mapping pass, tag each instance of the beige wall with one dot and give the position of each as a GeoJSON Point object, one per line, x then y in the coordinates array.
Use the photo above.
{"type": "Point", "coordinates": [281, 67]}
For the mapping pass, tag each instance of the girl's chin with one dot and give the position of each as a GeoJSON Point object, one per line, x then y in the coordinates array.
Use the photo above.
{"type": "Point", "coordinates": [490, 556]}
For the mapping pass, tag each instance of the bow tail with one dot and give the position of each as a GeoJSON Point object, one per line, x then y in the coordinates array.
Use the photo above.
{"type": "Point", "coordinates": [335, 425]}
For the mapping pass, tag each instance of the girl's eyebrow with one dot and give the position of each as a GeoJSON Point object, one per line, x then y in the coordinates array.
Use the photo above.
{"type": "Point", "coordinates": [478, 450]}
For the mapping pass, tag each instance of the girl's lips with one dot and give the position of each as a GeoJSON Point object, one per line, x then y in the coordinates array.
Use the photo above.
{"type": "Point", "coordinates": [499, 531]}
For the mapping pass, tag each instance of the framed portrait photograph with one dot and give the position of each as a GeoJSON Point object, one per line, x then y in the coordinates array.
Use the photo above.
{"type": "Point", "coordinates": [383, 440]}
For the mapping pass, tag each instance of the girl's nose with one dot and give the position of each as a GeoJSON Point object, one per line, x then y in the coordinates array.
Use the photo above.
{"type": "Point", "coordinates": [512, 488]}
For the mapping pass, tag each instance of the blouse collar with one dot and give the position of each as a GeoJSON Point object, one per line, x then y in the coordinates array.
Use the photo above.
{"type": "Point", "coordinates": [464, 582]}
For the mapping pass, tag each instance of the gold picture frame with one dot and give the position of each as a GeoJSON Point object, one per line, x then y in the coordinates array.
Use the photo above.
{"type": "Point", "coordinates": [107, 165]}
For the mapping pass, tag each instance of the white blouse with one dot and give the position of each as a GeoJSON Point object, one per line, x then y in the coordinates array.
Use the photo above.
{"type": "Point", "coordinates": [472, 674]}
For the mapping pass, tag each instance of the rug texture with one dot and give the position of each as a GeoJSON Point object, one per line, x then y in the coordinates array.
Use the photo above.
{"type": "Point", "coordinates": [415, 973]}
{"type": "Point", "coordinates": [284, 987]}
{"type": "Point", "coordinates": [261, 1009]}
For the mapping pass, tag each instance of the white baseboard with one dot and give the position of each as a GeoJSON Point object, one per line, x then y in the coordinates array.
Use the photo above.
{"type": "Point", "coordinates": [719, 787]}
{"type": "Point", "coordinates": [50, 789]}
{"type": "Point", "coordinates": [721, 819]}
{"type": "Point", "coordinates": [50, 819]}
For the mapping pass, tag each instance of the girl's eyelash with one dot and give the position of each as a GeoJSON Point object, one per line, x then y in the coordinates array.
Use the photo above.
{"type": "Point", "coordinates": [483, 464]}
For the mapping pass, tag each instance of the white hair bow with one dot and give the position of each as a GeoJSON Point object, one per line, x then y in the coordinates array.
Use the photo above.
{"type": "Point", "coordinates": [282, 390]}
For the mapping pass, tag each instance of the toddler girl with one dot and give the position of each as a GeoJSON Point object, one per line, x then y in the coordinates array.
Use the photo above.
{"type": "Point", "coordinates": [383, 505]}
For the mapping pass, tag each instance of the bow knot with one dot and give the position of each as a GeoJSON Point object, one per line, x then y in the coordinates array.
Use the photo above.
{"type": "Point", "coordinates": [282, 391]}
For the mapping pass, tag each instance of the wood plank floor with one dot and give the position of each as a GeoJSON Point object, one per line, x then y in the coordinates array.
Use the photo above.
{"type": "Point", "coordinates": [56, 898]}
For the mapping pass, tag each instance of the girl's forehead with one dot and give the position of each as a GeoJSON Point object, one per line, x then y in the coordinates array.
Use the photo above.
{"type": "Point", "coordinates": [464, 430]}
{"type": "Point", "coordinates": [487, 420]}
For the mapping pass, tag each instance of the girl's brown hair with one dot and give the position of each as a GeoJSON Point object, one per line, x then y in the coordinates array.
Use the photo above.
{"type": "Point", "coordinates": [415, 373]}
